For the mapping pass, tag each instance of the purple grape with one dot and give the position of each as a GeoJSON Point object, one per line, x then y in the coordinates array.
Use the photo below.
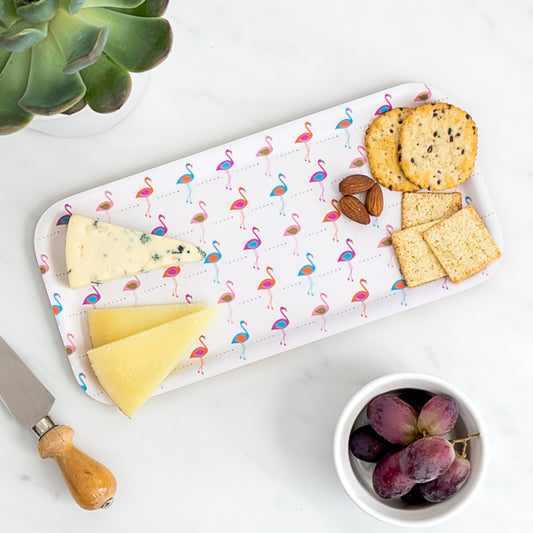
{"type": "Point", "coordinates": [388, 480]}
{"type": "Point", "coordinates": [414, 496]}
{"type": "Point", "coordinates": [426, 458]}
{"type": "Point", "coordinates": [416, 398]}
{"type": "Point", "coordinates": [393, 419]}
{"type": "Point", "coordinates": [438, 416]}
{"type": "Point", "coordinates": [448, 483]}
{"type": "Point", "coordinates": [367, 445]}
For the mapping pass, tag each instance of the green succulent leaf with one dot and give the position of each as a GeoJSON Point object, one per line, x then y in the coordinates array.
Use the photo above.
{"type": "Point", "coordinates": [127, 4]}
{"type": "Point", "coordinates": [81, 43]}
{"type": "Point", "coordinates": [50, 90]}
{"type": "Point", "coordinates": [72, 6]}
{"type": "Point", "coordinates": [38, 10]}
{"type": "Point", "coordinates": [135, 43]}
{"type": "Point", "coordinates": [78, 106]}
{"type": "Point", "coordinates": [108, 85]}
{"type": "Point", "coordinates": [23, 35]}
{"type": "Point", "coordinates": [150, 8]}
{"type": "Point", "coordinates": [8, 13]}
{"type": "Point", "coordinates": [13, 77]}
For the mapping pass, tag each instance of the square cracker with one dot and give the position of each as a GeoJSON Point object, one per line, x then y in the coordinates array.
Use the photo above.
{"type": "Point", "coordinates": [417, 262]}
{"type": "Point", "coordinates": [462, 244]}
{"type": "Point", "coordinates": [421, 207]}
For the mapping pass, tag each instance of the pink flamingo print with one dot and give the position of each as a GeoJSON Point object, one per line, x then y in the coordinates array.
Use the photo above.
{"type": "Point", "coordinates": [424, 95]}
{"type": "Point", "coordinates": [345, 124]}
{"type": "Point", "coordinates": [253, 244]}
{"type": "Point", "coordinates": [200, 218]}
{"type": "Point", "coordinates": [93, 298]}
{"type": "Point", "coordinates": [186, 179]}
{"type": "Point", "coordinates": [132, 285]}
{"type": "Point", "coordinates": [63, 219]}
{"type": "Point", "coordinates": [265, 152]}
{"type": "Point", "coordinates": [162, 228]}
{"type": "Point", "coordinates": [281, 324]}
{"type": "Point", "coordinates": [385, 107]}
{"type": "Point", "coordinates": [267, 284]}
{"type": "Point", "coordinates": [241, 338]}
{"type": "Point", "coordinates": [279, 191]}
{"type": "Point", "coordinates": [304, 139]}
{"type": "Point", "coordinates": [189, 298]}
{"type": "Point", "coordinates": [346, 257]}
{"type": "Point", "coordinates": [226, 166]}
{"type": "Point", "coordinates": [319, 177]}
{"type": "Point", "coordinates": [361, 159]}
{"type": "Point", "coordinates": [226, 298]}
{"type": "Point", "coordinates": [307, 270]}
{"type": "Point", "coordinates": [321, 310]}
{"type": "Point", "coordinates": [57, 307]}
{"type": "Point", "coordinates": [199, 352]}
{"type": "Point", "coordinates": [386, 242]}
{"type": "Point", "coordinates": [44, 267]}
{"type": "Point", "coordinates": [106, 205]}
{"type": "Point", "coordinates": [400, 285]}
{"type": "Point", "coordinates": [213, 258]}
{"type": "Point", "coordinates": [361, 296]}
{"type": "Point", "coordinates": [70, 347]}
{"type": "Point", "coordinates": [333, 216]}
{"type": "Point", "coordinates": [145, 193]}
{"type": "Point", "coordinates": [293, 231]}
{"type": "Point", "coordinates": [239, 204]}
{"type": "Point", "coordinates": [172, 272]}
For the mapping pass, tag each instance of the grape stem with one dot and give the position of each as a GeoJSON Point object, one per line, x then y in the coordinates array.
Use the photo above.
{"type": "Point", "coordinates": [464, 442]}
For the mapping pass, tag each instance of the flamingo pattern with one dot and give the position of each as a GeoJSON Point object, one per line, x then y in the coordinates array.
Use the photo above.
{"type": "Point", "coordinates": [293, 230]}
{"type": "Point", "coordinates": [253, 244]}
{"type": "Point", "coordinates": [200, 217]}
{"type": "Point", "coordinates": [241, 338]}
{"type": "Point", "coordinates": [267, 284]}
{"type": "Point", "coordinates": [226, 165]}
{"type": "Point", "coordinates": [92, 298]}
{"type": "Point", "coordinates": [131, 286]}
{"type": "Point", "coordinates": [239, 204]}
{"type": "Point", "coordinates": [265, 152]}
{"type": "Point", "coordinates": [345, 124]}
{"type": "Point", "coordinates": [146, 192]}
{"type": "Point", "coordinates": [401, 285]}
{"type": "Point", "coordinates": [304, 139]}
{"type": "Point", "coordinates": [362, 296]}
{"type": "Point", "coordinates": [172, 273]}
{"type": "Point", "coordinates": [279, 191]}
{"type": "Point", "coordinates": [385, 107]}
{"type": "Point", "coordinates": [321, 310]}
{"type": "Point", "coordinates": [199, 352]}
{"type": "Point", "coordinates": [226, 298]}
{"type": "Point", "coordinates": [162, 228]}
{"type": "Point", "coordinates": [333, 216]}
{"type": "Point", "coordinates": [186, 179]}
{"type": "Point", "coordinates": [307, 270]}
{"type": "Point", "coordinates": [319, 177]}
{"type": "Point", "coordinates": [346, 257]}
{"type": "Point", "coordinates": [213, 258]}
{"type": "Point", "coordinates": [63, 219]}
{"type": "Point", "coordinates": [70, 347]}
{"type": "Point", "coordinates": [361, 159]}
{"type": "Point", "coordinates": [281, 325]}
{"type": "Point", "coordinates": [386, 242]}
{"type": "Point", "coordinates": [106, 205]}
{"type": "Point", "coordinates": [44, 267]}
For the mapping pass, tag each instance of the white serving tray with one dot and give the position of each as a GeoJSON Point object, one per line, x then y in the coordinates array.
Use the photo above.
{"type": "Point", "coordinates": [252, 312]}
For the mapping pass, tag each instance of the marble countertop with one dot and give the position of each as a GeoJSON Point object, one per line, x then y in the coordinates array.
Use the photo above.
{"type": "Point", "coordinates": [251, 449]}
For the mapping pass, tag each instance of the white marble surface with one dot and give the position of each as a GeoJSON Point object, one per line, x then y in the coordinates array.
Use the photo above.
{"type": "Point", "coordinates": [251, 450]}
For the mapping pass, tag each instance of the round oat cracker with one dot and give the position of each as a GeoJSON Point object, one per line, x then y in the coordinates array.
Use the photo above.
{"type": "Point", "coordinates": [381, 142]}
{"type": "Point", "coordinates": [438, 146]}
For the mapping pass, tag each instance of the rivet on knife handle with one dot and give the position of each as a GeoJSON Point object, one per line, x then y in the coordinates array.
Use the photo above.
{"type": "Point", "coordinates": [91, 484]}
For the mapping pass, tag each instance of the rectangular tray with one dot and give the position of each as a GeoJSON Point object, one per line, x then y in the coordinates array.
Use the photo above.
{"type": "Point", "coordinates": [315, 290]}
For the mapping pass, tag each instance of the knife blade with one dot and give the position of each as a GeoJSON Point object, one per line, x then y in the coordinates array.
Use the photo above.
{"type": "Point", "coordinates": [91, 484]}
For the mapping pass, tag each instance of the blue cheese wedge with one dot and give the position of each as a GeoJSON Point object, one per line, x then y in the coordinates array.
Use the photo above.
{"type": "Point", "coordinates": [97, 251]}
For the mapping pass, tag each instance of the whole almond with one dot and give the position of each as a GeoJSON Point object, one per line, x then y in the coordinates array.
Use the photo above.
{"type": "Point", "coordinates": [355, 184]}
{"type": "Point", "coordinates": [374, 200]}
{"type": "Point", "coordinates": [354, 209]}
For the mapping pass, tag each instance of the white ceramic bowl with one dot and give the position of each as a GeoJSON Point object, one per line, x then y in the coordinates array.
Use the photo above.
{"type": "Point", "coordinates": [356, 475]}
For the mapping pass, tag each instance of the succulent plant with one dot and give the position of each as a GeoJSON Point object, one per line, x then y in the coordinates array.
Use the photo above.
{"type": "Point", "coordinates": [57, 56]}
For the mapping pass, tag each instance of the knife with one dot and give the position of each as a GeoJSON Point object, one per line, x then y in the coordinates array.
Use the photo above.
{"type": "Point", "coordinates": [91, 484]}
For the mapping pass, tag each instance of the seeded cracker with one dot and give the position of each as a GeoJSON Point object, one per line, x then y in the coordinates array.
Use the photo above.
{"type": "Point", "coordinates": [438, 145]}
{"type": "Point", "coordinates": [421, 207]}
{"type": "Point", "coordinates": [462, 244]}
{"type": "Point", "coordinates": [417, 262]}
{"type": "Point", "coordinates": [381, 142]}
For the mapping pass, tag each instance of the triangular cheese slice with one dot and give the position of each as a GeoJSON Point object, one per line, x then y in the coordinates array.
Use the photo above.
{"type": "Point", "coordinates": [97, 251]}
{"type": "Point", "coordinates": [111, 324]}
{"type": "Point", "coordinates": [130, 369]}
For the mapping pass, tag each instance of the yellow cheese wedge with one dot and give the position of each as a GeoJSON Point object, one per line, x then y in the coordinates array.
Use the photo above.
{"type": "Point", "coordinates": [111, 324]}
{"type": "Point", "coordinates": [130, 369]}
{"type": "Point", "coordinates": [97, 251]}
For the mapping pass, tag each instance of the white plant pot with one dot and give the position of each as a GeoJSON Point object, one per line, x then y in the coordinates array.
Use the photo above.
{"type": "Point", "coordinates": [88, 122]}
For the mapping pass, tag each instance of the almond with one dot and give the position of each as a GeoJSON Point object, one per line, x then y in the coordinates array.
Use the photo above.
{"type": "Point", "coordinates": [355, 184]}
{"type": "Point", "coordinates": [374, 200]}
{"type": "Point", "coordinates": [354, 209]}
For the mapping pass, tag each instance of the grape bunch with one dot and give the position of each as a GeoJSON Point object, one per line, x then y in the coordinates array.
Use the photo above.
{"type": "Point", "coordinates": [406, 439]}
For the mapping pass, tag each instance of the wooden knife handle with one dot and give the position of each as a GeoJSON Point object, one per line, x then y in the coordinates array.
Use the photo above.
{"type": "Point", "coordinates": [91, 484]}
